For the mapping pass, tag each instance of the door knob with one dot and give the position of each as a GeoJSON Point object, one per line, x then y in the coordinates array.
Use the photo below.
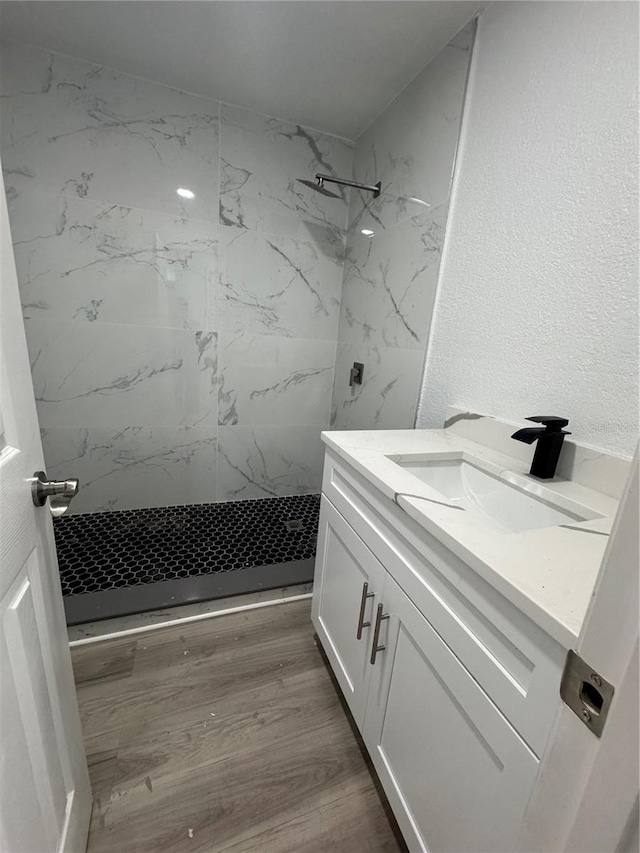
{"type": "Point", "coordinates": [60, 491]}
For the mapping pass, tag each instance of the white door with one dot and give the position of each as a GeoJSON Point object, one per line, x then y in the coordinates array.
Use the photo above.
{"type": "Point", "coordinates": [457, 774]}
{"type": "Point", "coordinates": [347, 586]}
{"type": "Point", "coordinates": [45, 796]}
{"type": "Point", "coordinates": [587, 800]}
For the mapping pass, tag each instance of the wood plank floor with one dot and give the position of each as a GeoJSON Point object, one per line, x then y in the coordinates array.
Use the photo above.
{"type": "Point", "coordinates": [225, 735]}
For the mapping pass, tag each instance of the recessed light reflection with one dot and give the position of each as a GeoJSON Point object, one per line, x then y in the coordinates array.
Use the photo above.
{"type": "Point", "coordinates": [183, 193]}
{"type": "Point", "coordinates": [419, 201]}
{"type": "Point", "coordinates": [367, 232]}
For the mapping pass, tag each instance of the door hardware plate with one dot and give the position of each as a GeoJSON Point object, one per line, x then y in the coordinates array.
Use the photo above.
{"type": "Point", "coordinates": [586, 692]}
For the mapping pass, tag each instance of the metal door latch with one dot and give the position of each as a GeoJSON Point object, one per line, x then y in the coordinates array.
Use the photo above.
{"type": "Point", "coordinates": [60, 491]}
{"type": "Point", "coordinates": [586, 692]}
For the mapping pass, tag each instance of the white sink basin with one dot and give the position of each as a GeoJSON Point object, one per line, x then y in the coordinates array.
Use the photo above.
{"type": "Point", "coordinates": [508, 505]}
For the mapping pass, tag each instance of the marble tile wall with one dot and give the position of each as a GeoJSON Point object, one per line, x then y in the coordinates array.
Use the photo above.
{"type": "Point", "coordinates": [182, 350]}
{"type": "Point", "coordinates": [394, 244]}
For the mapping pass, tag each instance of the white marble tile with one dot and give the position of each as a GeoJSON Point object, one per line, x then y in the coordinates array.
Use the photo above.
{"type": "Point", "coordinates": [269, 461]}
{"type": "Point", "coordinates": [387, 397]}
{"type": "Point", "coordinates": [134, 467]}
{"type": "Point", "coordinates": [77, 259]}
{"type": "Point", "coordinates": [269, 380]}
{"type": "Point", "coordinates": [107, 375]}
{"type": "Point", "coordinates": [391, 270]}
{"type": "Point", "coordinates": [390, 283]}
{"type": "Point", "coordinates": [263, 162]}
{"type": "Point", "coordinates": [277, 286]}
{"type": "Point", "coordinates": [411, 146]}
{"type": "Point", "coordinates": [120, 277]}
{"type": "Point", "coordinates": [81, 130]}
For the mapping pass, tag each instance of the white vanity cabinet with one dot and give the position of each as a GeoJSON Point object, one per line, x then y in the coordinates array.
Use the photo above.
{"type": "Point", "coordinates": [457, 774]}
{"type": "Point", "coordinates": [458, 703]}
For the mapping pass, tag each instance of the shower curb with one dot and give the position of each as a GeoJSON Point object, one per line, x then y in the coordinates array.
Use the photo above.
{"type": "Point", "coordinates": [195, 617]}
{"type": "Point", "coordinates": [141, 598]}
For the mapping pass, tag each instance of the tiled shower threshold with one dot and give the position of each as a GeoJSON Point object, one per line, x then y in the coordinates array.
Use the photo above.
{"type": "Point", "coordinates": [132, 561]}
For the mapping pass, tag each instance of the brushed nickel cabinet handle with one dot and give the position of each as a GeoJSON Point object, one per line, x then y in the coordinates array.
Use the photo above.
{"type": "Point", "coordinates": [375, 648]}
{"type": "Point", "coordinates": [363, 603]}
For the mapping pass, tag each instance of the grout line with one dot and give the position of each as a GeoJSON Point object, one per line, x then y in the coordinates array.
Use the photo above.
{"type": "Point", "coordinates": [351, 141]}
{"type": "Point", "coordinates": [107, 203]}
{"type": "Point", "coordinates": [213, 307]}
{"type": "Point", "coordinates": [127, 632]}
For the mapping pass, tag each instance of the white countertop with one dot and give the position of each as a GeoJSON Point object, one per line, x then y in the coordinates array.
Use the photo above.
{"type": "Point", "coordinates": [548, 573]}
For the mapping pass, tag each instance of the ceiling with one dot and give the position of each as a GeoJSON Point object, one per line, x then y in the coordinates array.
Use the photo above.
{"type": "Point", "coordinates": [328, 64]}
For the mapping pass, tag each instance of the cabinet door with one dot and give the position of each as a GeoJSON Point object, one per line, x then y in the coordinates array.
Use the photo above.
{"type": "Point", "coordinates": [347, 585]}
{"type": "Point", "coordinates": [458, 776]}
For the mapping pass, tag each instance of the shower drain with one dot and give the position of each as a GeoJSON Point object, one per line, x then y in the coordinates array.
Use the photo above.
{"type": "Point", "coordinates": [292, 524]}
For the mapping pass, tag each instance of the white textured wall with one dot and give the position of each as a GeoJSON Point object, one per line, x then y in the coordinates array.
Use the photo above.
{"type": "Point", "coordinates": [537, 300]}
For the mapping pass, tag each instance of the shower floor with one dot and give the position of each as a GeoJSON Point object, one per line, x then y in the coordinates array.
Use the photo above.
{"type": "Point", "coordinates": [130, 561]}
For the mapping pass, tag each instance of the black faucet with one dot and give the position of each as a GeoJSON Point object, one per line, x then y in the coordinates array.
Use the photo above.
{"type": "Point", "coordinates": [549, 437]}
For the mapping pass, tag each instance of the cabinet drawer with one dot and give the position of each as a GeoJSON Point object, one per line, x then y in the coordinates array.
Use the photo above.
{"type": "Point", "coordinates": [511, 658]}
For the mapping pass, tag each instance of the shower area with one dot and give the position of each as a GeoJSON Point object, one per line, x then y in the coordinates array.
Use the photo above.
{"type": "Point", "coordinates": [198, 281]}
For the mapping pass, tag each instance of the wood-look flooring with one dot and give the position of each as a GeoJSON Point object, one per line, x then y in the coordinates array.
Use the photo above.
{"type": "Point", "coordinates": [225, 735]}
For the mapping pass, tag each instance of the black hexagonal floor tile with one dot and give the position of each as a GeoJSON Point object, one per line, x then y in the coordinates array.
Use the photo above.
{"type": "Point", "coordinates": [107, 550]}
